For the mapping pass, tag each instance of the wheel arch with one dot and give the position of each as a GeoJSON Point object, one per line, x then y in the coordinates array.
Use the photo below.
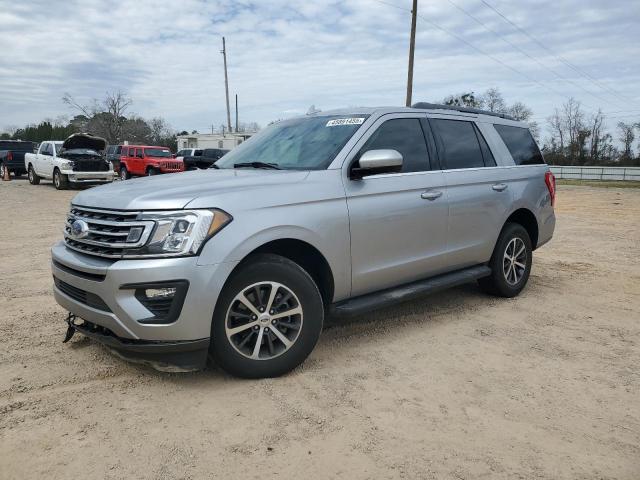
{"type": "Point", "coordinates": [526, 218]}
{"type": "Point", "coordinates": [305, 255]}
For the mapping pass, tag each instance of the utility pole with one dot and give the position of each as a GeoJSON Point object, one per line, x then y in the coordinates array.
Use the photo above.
{"type": "Point", "coordinates": [412, 48]}
{"type": "Point", "coordinates": [236, 113]}
{"type": "Point", "coordinates": [226, 83]}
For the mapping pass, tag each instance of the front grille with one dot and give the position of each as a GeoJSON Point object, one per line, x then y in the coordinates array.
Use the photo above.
{"type": "Point", "coordinates": [91, 166]}
{"type": "Point", "coordinates": [177, 166]}
{"type": "Point", "coordinates": [110, 232]}
{"type": "Point", "coordinates": [86, 298]}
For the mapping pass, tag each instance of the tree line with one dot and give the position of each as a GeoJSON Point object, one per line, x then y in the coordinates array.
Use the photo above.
{"type": "Point", "coordinates": [573, 136]}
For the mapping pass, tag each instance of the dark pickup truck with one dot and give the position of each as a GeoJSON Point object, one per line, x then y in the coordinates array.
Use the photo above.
{"type": "Point", "coordinates": [12, 156]}
{"type": "Point", "coordinates": [208, 157]}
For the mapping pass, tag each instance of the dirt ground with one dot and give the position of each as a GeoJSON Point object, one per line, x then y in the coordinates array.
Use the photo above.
{"type": "Point", "coordinates": [456, 386]}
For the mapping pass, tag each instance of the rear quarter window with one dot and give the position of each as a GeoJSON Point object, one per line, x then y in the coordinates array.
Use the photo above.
{"type": "Point", "coordinates": [521, 145]}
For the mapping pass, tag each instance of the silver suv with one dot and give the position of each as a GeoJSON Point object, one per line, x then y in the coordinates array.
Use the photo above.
{"type": "Point", "coordinates": [334, 213]}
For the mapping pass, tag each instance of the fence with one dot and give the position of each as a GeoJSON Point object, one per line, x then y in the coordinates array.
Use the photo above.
{"type": "Point", "coordinates": [596, 173]}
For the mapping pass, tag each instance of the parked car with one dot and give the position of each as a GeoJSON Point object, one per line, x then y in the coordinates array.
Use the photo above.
{"type": "Point", "coordinates": [113, 155]}
{"type": "Point", "coordinates": [12, 154]}
{"type": "Point", "coordinates": [188, 152]}
{"type": "Point", "coordinates": [140, 160]}
{"type": "Point", "coordinates": [76, 161]}
{"type": "Point", "coordinates": [334, 213]}
{"type": "Point", "coordinates": [205, 159]}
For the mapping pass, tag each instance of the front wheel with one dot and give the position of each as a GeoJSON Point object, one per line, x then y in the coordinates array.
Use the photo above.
{"type": "Point", "coordinates": [2, 171]}
{"type": "Point", "coordinates": [152, 171]}
{"type": "Point", "coordinates": [510, 263]}
{"type": "Point", "coordinates": [60, 181]}
{"type": "Point", "coordinates": [268, 318]}
{"type": "Point", "coordinates": [124, 173]}
{"type": "Point", "coordinates": [34, 179]}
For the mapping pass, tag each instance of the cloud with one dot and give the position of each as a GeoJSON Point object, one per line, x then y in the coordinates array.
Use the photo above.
{"type": "Point", "coordinates": [284, 56]}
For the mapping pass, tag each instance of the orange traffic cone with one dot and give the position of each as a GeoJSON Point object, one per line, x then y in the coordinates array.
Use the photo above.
{"type": "Point", "coordinates": [7, 175]}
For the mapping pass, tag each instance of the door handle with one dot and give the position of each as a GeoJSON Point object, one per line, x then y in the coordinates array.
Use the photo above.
{"type": "Point", "coordinates": [431, 195]}
{"type": "Point", "coordinates": [499, 187]}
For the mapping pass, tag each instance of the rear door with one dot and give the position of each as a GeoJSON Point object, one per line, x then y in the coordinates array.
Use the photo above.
{"type": "Point", "coordinates": [478, 193]}
{"type": "Point", "coordinates": [397, 220]}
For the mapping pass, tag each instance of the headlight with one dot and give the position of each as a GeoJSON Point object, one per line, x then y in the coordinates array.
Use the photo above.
{"type": "Point", "coordinates": [181, 232]}
{"type": "Point", "coordinates": [67, 165]}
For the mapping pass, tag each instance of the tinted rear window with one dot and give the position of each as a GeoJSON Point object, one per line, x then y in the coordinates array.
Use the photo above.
{"type": "Point", "coordinates": [521, 144]}
{"type": "Point", "coordinates": [457, 144]}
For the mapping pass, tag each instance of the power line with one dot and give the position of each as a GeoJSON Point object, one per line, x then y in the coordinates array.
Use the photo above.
{"type": "Point", "coordinates": [509, 42]}
{"type": "Point", "coordinates": [560, 58]}
{"type": "Point", "coordinates": [470, 45]}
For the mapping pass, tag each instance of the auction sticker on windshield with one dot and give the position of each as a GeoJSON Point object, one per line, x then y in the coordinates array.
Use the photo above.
{"type": "Point", "coordinates": [345, 121]}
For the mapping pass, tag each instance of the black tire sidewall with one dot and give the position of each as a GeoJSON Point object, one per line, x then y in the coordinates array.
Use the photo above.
{"type": "Point", "coordinates": [33, 176]}
{"type": "Point", "coordinates": [265, 268]}
{"type": "Point", "coordinates": [124, 173]}
{"type": "Point", "coordinates": [500, 284]}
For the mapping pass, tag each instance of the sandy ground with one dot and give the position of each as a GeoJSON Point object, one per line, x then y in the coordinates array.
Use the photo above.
{"type": "Point", "coordinates": [457, 385]}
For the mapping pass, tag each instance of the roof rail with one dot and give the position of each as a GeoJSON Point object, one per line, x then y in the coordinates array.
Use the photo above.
{"type": "Point", "coordinates": [437, 106]}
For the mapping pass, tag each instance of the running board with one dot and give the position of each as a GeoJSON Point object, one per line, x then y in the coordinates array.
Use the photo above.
{"type": "Point", "coordinates": [409, 291]}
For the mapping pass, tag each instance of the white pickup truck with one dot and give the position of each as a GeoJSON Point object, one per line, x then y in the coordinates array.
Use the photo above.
{"type": "Point", "coordinates": [77, 160]}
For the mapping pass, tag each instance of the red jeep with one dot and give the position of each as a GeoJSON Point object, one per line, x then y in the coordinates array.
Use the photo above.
{"type": "Point", "coordinates": [138, 160]}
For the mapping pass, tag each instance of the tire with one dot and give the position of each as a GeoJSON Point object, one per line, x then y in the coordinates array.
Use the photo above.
{"type": "Point", "coordinates": [34, 179]}
{"type": "Point", "coordinates": [124, 173]}
{"type": "Point", "coordinates": [2, 167]}
{"type": "Point", "coordinates": [295, 291]}
{"type": "Point", "coordinates": [60, 181]}
{"type": "Point", "coordinates": [507, 279]}
{"type": "Point", "coordinates": [152, 171]}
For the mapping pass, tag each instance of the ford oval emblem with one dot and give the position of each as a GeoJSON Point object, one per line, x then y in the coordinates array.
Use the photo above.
{"type": "Point", "coordinates": [79, 229]}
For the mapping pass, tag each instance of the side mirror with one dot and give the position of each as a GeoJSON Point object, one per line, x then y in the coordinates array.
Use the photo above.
{"type": "Point", "coordinates": [373, 162]}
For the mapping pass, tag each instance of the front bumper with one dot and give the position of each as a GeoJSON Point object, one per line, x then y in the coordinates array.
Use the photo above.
{"type": "Point", "coordinates": [97, 296]}
{"type": "Point", "coordinates": [89, 177]}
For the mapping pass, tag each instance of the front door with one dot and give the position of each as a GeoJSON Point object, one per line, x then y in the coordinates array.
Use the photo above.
{"type": "Point", "coordinates": [398, 221]}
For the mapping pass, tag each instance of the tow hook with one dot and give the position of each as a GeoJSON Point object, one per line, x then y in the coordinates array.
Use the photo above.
{"type": "Point", "coordinates": [71, 329]}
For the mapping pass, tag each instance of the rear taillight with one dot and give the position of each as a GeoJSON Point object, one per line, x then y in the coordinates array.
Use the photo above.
{"type": "Point", "coordinates": [9, 156]}
{"type": "Point", "coordinates": [550, 180]}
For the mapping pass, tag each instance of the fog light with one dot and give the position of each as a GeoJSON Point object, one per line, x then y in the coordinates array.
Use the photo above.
{"type": "Point", "coordinates": [157, 293]}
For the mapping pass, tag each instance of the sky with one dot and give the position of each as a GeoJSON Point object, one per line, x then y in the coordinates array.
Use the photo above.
{"type": "Point", "coordinates": [284, 56]}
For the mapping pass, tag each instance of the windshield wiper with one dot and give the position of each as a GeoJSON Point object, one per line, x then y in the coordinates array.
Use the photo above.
{"type": "Point", "coordinates": [272, 166]}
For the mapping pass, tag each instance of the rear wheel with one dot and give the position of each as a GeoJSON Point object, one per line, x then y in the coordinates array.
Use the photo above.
{"type": "Point", "coordinates": [2, 171]}
{"type": "Point", "coordinates": [34, 179]}
{"type": "Point", "coordinates": [124, 173]}
{"type": "Point", "coordinates": [268, 318]}
{"type": "Point", "coordinates": [60, 181]}
{"type": "Point", "coordinates": [510, 263]}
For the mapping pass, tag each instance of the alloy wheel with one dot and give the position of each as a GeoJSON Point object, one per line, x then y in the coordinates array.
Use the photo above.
{"type": "Point", "coordinates": [514, 262]}
{"type": "Point", "coordinates": [264, 320]}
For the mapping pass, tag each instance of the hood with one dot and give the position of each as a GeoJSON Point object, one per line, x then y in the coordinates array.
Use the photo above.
{"type": "Point", "coordinates": [84, 140]}
{"type": "Point", "coordinates": [176, 190]}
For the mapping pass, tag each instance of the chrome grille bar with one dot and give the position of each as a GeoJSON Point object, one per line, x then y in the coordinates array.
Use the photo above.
{"type": "Point", "coordinates": [108, 233]}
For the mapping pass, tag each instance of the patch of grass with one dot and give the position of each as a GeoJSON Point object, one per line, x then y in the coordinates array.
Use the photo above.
{"type": "Point", "coordinates": [600, 183]}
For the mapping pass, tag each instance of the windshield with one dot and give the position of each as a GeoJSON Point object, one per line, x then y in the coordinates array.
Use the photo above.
{"type": "Point", "coordinates": [303, 143]}
{"type": "Point", "coordinates": [157, 152]}
{"type": "Point", "coordinates": [58, 147]}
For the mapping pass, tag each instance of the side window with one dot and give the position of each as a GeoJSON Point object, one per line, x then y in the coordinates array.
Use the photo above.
{"type": "Point", "coordinates": [46, 149]}
{"type": "Point", "coordinates": [404, 135]}
{"type": "Point", "coordinates": [139, 153]}
{"type": "Point", "coordinates": [521, 144]}
{"type": "Point", "coordinates": [458, 144]}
